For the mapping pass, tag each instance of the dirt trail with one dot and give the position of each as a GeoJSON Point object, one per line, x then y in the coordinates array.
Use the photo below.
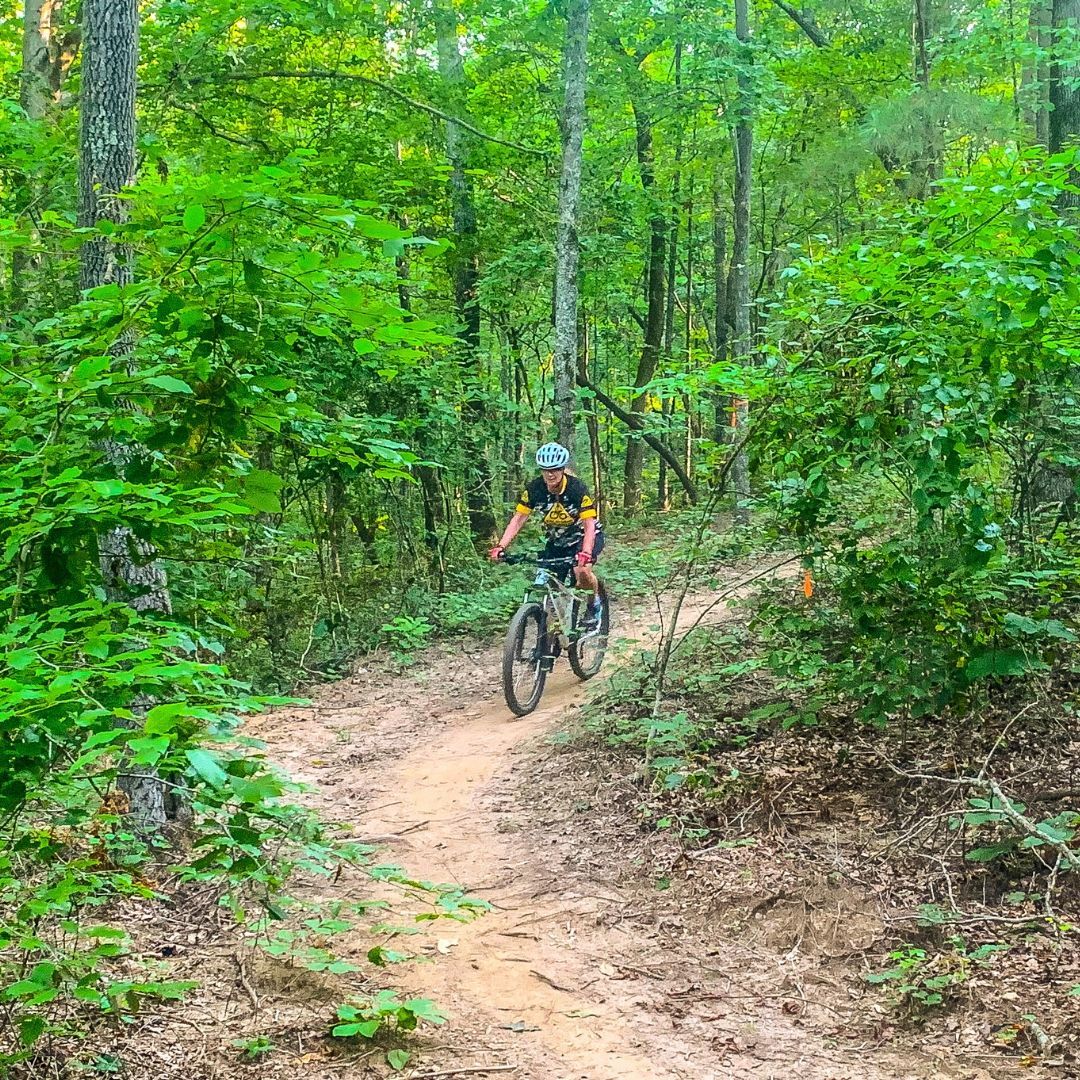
{"type": "Point", "coordinates": [571, 975]}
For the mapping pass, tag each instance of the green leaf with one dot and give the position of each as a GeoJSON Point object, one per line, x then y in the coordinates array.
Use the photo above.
{"type": "Point", "coordinates": [149, 749]}
{"type": "Point", "coordinates": [162, 719]}
{"type": "Point", "coordinates": [194, 217]}
{"type": "Point", "coordinates": [31, 1029]}
{"type": "Point", "coordinates": [425, 1009]}
{"type": "Point", "coordinates": [206, 766]}
{"type": "Point", "coordinates": [90, 368]}
{"type": "Point", "coordinates": [397, 1059]}
{"type": "Point", "coordinates": [990, 852]}
{"type": "Point", "coordinates": [253, 276]}
{"type": "Point", "coordinates": [1001, 662]}
{"type": "Point", "coordinates": [366, 1029]}
{"type": "Point", "coordinates": [261, 491]}
{"type": "Point", "coordinates": [170, 383]}
{"type": "Point", "coordinates": [20, 659]}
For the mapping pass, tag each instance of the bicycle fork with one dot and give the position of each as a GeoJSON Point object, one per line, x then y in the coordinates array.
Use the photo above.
{"type": "Point", "coordinates": [552, 641]}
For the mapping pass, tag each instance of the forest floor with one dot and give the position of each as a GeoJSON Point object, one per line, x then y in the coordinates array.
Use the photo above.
{"type": "Point", "coordinates": [590, 964]}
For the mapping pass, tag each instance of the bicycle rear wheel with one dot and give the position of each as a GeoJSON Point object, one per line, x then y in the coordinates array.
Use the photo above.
{"type": "Point", "coordinates": [587, 652]}
{"type": "Point", "coordinates": [523, 659]}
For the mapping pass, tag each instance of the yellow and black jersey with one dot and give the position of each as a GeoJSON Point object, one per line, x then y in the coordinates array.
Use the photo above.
{"type": "Point", "coordinates": [562, 512]}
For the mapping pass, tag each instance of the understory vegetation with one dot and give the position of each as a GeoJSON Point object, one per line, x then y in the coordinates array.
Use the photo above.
{"type": "Point", "coordinates": [291, 290]}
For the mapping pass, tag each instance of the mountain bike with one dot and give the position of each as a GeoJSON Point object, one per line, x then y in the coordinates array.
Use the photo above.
{"type": "Point", "coordinates": [551, 620]}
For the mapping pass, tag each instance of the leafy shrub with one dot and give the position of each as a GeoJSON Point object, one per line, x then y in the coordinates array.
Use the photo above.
{"type": "Point", "coordinates": [384, 1014]}
{"type": "Point", "coordinates": [928, 415]}
{"type": "Point", "coordinates": [919, 982]}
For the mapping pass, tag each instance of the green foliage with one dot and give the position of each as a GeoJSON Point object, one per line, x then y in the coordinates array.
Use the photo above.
{"type": "Point", "coordinates": [988, 820]}
{"type": "Point", "coordinates": [384, 1014]}
{"type": "Point", "coordinates": [923, 405]}
{"type": "Point", "coordinates": [219, 331]}
{"type": "Point", "coordinates": [256, 1047]}
{"type": "Point", "coordinates": [406, 633]}
{"type": "Point", "coordinates": [919, 982]}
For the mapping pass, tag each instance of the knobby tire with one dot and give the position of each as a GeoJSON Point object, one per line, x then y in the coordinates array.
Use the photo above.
{"type": "Point", "coordinates": [586, 663]}
{"type": "Point", "coordinates": [528, 625]}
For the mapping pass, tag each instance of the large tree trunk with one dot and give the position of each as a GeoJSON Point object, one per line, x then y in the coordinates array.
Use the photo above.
{"type": "Point", "coordinates": [567, 247]}
{"type": "Point", "coordinates": [663, 492]}
{"type": "Point", "coordinates": [687, 399]}
{"type": "Point", "coordinates": [739, 277]}
{"type": "Point", "coordinates": [465, 270]}
{"type": "Point", "coordinates": [927, 164]}
{"type": "Point", "coordinates": [593, 426]}
{"type": "Point", "coordinates": [1064, 126]}
{"type": "Point", "coordinates": [129, 565]}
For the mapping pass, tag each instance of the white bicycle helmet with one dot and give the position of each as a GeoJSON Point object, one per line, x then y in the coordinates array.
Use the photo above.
{"type": "Point", "coordinates": [552, 455]}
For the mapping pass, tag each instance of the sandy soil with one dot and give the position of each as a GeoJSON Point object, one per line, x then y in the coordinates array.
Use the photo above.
{"type": "Point", "coordinates": [581, 970]}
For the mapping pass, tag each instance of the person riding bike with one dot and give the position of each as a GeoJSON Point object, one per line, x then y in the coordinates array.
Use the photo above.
{"type": "Point", "coordinates": [568, 514]}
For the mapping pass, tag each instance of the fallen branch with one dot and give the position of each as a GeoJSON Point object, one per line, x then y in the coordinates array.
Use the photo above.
{"type": "Point", "coordinates": [1069, 857]}
{"type": "Point", "coordinates": [1005, 807]}
{"type": "Point", "coordinates": [462, 1072]}
{"type": "Point", "coordinates": [805, 23]}
{"type": "Point", "coordinates": [635, 423]}
{"type": "Point", "coordinates": [1056, 795]}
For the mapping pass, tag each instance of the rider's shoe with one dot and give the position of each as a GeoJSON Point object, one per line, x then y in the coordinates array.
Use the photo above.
{"type": "Point", "coordinates": [594, 613]}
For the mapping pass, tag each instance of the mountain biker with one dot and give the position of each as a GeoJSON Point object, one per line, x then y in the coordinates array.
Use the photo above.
{"type": "Point", "coordinates": [568, 514]}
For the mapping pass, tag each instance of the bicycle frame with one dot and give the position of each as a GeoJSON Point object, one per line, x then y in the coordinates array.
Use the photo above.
{"type": "Point", "coordinates": [558, 599]}
{"type": "Point", "coordinates": [558, 603]}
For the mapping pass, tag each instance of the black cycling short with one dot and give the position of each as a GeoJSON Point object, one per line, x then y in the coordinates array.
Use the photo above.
{"type": "Point", "coordinates": [553, 551]}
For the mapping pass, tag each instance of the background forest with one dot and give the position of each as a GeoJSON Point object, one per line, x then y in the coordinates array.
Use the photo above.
{"type": "Point", "coordinates": [291, 290]}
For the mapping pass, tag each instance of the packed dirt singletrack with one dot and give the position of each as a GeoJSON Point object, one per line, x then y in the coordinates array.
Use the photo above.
{"type": "Point", "coordinates": [582, 969]}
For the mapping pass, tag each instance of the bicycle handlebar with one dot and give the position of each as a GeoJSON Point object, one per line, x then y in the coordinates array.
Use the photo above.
{"type": "Point", "coordinates": [537, 560]}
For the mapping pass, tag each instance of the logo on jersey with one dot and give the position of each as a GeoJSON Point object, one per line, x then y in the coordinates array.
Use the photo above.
{"type": "Point", "coordinates": [557, 517]}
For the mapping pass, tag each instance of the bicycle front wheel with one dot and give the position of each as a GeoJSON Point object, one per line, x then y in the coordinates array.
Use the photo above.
{"type": "Point", "coordinates": [523, 659]}
{"type": "Point", "coordinates": [587, 652]}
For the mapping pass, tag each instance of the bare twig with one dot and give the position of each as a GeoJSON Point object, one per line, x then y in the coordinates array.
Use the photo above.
{"type": "Point", "coordinates": [469, 1069]}
{"type": "Point", "coordinates": [1004, 806]}
{"type": "Point", "coordinates": [731, 591]}
{"type": "Point", "coordinates": [355, 76]}
{"type": "Point", "coordinates": [1001, 738]}
{"type": "Point", "coordinates": [1070, 858]}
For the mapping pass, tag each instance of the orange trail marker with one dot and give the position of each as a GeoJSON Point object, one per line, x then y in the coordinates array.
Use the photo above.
{"type": "Point", "coordinates": [807, 584]}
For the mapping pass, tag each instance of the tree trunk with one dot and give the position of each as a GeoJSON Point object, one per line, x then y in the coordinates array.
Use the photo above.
{"type": "Point", "coordinates": [42, 70]}
{"type": "Point", "coordinates": [654, 319]}
{"type": "Point", "coordinates": [1064, 126]}
{"type": "Point", "coordinates": [593, 426]}
{"type": "Point", "coordinates": [1035, 76]}
{"type": "Point", "coordinates": [129, 566]}
{"type": "Point", "coordinates": [567, 247]}
{"type": "Point", "coordinates": [927, 165]}
{"type": "Point", "coordinates": [465, 271]}
{"type": "Point", "coordinates": [40, 57]}
{"type": "Point", "coordinates": [663, 491]}
{"type": "Point", "coordinates": [720, 298]}
{"type": "Point", "coordinates": [739, 278]}
{"type": "Point", "coordinates": [687, 399]}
